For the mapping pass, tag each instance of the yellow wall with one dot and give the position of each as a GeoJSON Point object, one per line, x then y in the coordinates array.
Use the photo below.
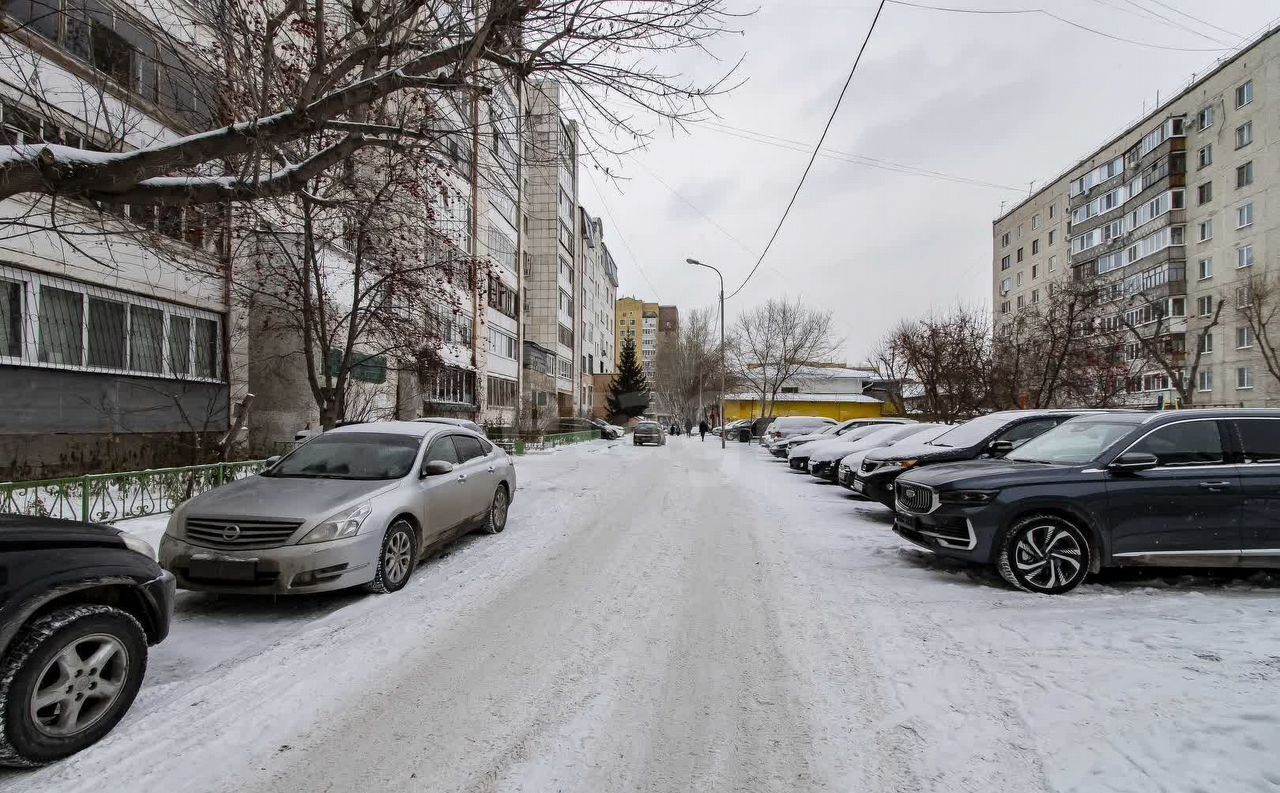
{"type": "Point", "coordinates": [840, 411]}
{"type": "Point", "coordinates": [625, 310]}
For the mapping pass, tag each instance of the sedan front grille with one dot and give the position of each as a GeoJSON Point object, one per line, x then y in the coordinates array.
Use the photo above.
{"type": "Point", "coordinates": [914, 498]}
{"type": "Point", "coordinates": [232, 533]}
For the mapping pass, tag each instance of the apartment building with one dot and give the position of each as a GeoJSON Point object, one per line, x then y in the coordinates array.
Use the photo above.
{"type": "Point", "coordinates": [498, 195]}
{"type": "Point", "coordinates": [597, 293]}
{"type": "Point", "coordinates": [1167, 222]}
{"type": "Point", "coordinates": [551, 219]}
{"type": "Point", "coordinates": [114, 341]}
{"type": "Point", "coordinates": [637, 320]}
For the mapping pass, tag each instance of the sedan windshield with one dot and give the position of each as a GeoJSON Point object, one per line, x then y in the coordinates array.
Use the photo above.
{"type": "Point", "coordinates": [971, 432]}
{"type": "Point", "coordinates": [351, 455]}
{"type": "Point", "coordinates": [1073, 442]}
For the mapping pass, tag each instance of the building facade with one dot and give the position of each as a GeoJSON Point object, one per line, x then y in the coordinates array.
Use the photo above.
{"type": "Point", "coordinates": [637, 320]}
{"type": "Point", "coordinates": [833, 390]}
{"type": "Point", "coordinates": [1172, 225]}
{"type": "Point", "coordinates": [597, 292]}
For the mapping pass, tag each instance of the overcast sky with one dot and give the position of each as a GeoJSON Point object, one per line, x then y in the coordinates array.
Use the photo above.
{"type": "Point", "coordinates": [1000, 99]}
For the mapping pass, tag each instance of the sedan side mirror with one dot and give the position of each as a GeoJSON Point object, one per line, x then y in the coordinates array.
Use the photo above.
{"type": "Point", "coordinates": [437, 467]}
{"type": "Point", "coordinates": [270, 461]}
{"type": "Point", "coordinates": [1134, 461]}
{"type": "Point", "coordinates": [1000, 448]}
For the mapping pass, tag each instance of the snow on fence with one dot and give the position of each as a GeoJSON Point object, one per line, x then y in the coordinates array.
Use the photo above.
{"type": "Point", "coordinates": [105, 498]}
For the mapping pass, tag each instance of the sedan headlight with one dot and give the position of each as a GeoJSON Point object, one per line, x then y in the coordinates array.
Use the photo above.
{"type": "Point", "coordinates": [337, 527]}
{"type": "Point", "coordinates": [969, 498]}
{"type": "Point", "coordinates": [138, 545]}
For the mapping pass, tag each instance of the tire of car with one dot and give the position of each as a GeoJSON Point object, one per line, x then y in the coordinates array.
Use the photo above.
{"type": "Point", "coordinates": [397, 556]}
{"type": "Point", "coordinates": [69, 678]}
{"type": "Point", "coordinates": [1044, 554]}
{"type": "Point", "coordinates": [496, 519]}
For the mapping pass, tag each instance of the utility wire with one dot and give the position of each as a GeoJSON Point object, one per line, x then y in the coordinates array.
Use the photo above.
{"type": "Point", "coordinates": [1064, 20]}
{"type": "Point", "coordinates": [856, 159]}
{"type": "Point", "coordinates": [1145, 14]}
{"type": "Point", "coordinates": [1204, 22]}
{"type": "Point", "coordinates": [1173, 22]}
{"type": "Point", "coordinates": [817, 147]}
{"type": "Point", "coordinates": [621, 236]}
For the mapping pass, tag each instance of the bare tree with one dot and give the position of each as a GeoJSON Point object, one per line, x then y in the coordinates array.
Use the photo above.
{"type": "Point", "coordinates": [297, 80]}
{"type": "Point", "coordinates": [1150, 334]}
{"type": "Point", "coordinates": [889, 359]}
{"type": "Point", "coordinates": [773, 342]}
{"type": "Point", "coordinates": [1258, 301]}
{"type": "Point", "coordinates": [950, 356]}
{"type": "Point", "coordinates": [688, 370]}
{"type": "Point", "coordinates": [1039, 359]}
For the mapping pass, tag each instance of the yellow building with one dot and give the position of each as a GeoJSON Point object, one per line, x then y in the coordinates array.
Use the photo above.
{"type": "Point", "coordinates": [833, 391]}
{"type": "Point", "coordinates": [638, 320]}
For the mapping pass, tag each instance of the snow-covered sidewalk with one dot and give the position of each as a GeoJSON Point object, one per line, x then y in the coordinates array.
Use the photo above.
{"type": "Point", "coordinates": [677, 619]}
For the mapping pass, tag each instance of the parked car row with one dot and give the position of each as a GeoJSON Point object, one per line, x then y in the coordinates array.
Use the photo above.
{"type": "Point", "coordinates": [1048, 497]}
{"type": "Point", "coordinates": [359, 505]}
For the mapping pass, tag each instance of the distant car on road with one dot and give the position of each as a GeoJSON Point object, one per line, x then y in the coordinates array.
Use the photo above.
{"type": "Point", "coordinates": [357, 506]}
{"type": "Point", "coordinates": [607, 431]}
{"type": "Point", "coordinates": [649, 432]}
{"type": "Point", "coordinates": [992, 435]}
{"type": "Point", "coordinates": [1180, 488]}
{"type": "Point", "coordinates": [79, 605]}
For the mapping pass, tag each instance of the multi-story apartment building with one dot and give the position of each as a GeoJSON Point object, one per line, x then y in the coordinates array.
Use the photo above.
{"type": "Point", "coordinates": [597, 291]}
{"type": "Point", "coordinates": [637, 320]}
{"type": "Point", "coordinates": [551, 275]}
{"type": "Point", "coordinates": [498, 192]}
{"type": "Point", "coordinates": [114, 343]}
{"type": "Point", "coordinates": [1168, 224]}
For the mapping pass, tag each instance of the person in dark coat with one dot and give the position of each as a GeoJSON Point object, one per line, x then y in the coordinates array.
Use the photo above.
{"type": "Point", "coordinates": [688, 426]}
{"type": "Point", "coordinates": [703, 429]}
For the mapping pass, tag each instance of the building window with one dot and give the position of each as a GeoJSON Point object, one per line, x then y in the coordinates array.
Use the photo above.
{"type": "Point", "coordinates": [1204, 119]}
{"type": "Point", "coordinates": [106, 333]}
{"type": "Point", "coordinates": [501, 393]}
{"type": "Point", "coordinates": [1206, 343]}
{"type": "Point", "coordinates": [1204, 193]}
{"type": "Point", "coordinates": [1022, 302]}
{"type": "Point", "coordinates": [452, 385]}
{"type": "Point", "coordinates": [1035, 296]}
{"type": "Point", "coordinates": [1244, 216]}
{"type": "Point", "coordinates": [502, 344]}
{"type": "Point", "coordinates": [1005, 263]}
{"type": "Point", "coordinates": [1035, 247]}
{"type": "Point", "coordinates": [1035, 222]}
{"type": "Point", "coordinates": [1244, 175]}
{"type": "Point", "coordinates": [1206, 267]}
{"type": "Point", "coordinates": [1206, 155]}
{"type": "Point", "coordinates": [1244, 338]}
{"type": "Point", "coordinates": [1004, 307]}
{"type": "Point", "coordinates": [1035, 271]}
{"type": "Point", "coordinates": [1053, 234]}
{"type": "Point", "coordinates": [1204, 305]}
{"type": "Point", "coordinates": [1004, 240]}
{"type": "Point", "coordinates": [1051, 206]}
{"type": "Point", "coordinates": [566, 336]}
{"type": "Point", "coordinates": [1005, 285]}
{"type": "Point", "coordinates": [1206, 230]}
{"type": "Point", "coordinates": [1019, 278]}
{"type": "Point", "coordinates": [1244, 134]}
{"type": "Point", "coordinates": [1244, 94]}
{"type": "Point", "coordinates": [1244, 256]}
{"type": "Point", "coordinates": [1244, 377]}
{"type": "Point", "coordinates": [1019, 256]}
{"type": "Point", "coordinates": [1205, 378]}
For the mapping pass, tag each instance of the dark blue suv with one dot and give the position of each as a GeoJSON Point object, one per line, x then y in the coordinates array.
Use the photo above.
{"type": "Point", "coordinates": [1187, 488]}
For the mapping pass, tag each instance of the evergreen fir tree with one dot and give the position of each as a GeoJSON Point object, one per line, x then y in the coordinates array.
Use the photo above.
{"type": "Point", "coordinates": [629, 392]}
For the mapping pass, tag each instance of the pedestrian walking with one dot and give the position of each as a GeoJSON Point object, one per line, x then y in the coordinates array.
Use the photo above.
{"type": "Point", "coordinates": [702, 429]}
{"type": "Point", "coordinates": [688, 426]}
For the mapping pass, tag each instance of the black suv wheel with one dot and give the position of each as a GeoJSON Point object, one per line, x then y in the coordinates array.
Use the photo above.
{"type": "Point", "coordinates": [67, 681]}
{"type": "Point", "coordinates": [1044, 554]}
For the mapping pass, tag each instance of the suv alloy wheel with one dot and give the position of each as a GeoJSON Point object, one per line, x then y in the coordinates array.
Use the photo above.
{"type": "Point", "coordinates": [1044, 554]}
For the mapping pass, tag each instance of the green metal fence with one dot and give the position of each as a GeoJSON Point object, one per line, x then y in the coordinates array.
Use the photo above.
{"type": "Point", "coordinates": [532, 441]}
{"type": "Point", "coordinates": [110, 497]}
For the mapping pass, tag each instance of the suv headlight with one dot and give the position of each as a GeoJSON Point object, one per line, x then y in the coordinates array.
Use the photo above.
{"type": "Point", "coordinates": [903, 464]}
{"type": "Point", "coordinates": [969, 498]}
{"type": "Point", "coordinates": [340, 526]}
{"type": "Point", "coordinates": [138, 545]}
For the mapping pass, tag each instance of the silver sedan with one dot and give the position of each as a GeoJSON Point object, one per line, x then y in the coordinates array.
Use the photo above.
{"type": "Point", "coordinates": [358, 505]}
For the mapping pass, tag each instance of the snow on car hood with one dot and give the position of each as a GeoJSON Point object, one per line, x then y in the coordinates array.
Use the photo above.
{"type": "Point", "coordinates": [818, 451]}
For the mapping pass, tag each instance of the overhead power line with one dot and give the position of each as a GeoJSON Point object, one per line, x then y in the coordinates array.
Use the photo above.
{"type": "Point", "coordinates": [1051, 15]}
{"type": "Point", "coordinates": [850, 157]}
{"type": "Point", "coordinates": [1173, 22]}
{"type": "Point", "coordinates": [1205, 22]}
{"type": "Point", "coordinates": [817, 148]}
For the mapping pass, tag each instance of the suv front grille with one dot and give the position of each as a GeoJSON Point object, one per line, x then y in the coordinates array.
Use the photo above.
{"type": "Point", "coordinates": [229, 533]}
{"type": "Point", "coordinates": [914, 498]}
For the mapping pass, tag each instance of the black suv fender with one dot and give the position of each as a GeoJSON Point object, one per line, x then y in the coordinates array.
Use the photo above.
{"type": "Point", "coordinates": [148, 602]}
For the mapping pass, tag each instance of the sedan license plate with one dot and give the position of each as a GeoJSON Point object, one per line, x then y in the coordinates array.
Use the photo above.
{"type": "Point", "coordinates": [857, 485]}
{"type": "Point", "coordinates": [223, 569]}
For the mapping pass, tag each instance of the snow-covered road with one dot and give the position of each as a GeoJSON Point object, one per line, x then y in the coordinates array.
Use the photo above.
{"type": "Point", "coordinates": [678, 619]}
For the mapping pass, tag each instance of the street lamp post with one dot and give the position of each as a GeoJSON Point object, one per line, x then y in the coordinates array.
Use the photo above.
{"type": "Point", "coordinates": [722, 366]}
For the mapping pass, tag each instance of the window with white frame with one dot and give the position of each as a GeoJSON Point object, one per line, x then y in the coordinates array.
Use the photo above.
{"type": "Point", "coordinates": [1204, 193]}
{"type": "Point", "coordinates": [1244, 377]}
{"type": "Point", "coordinates": [1004, 240]}
{"type": "Point", "coordinates": [1005, 285]}
{"type": "Point", "coordinates": [1022, 302]}
{"type": "Point", "coordinates": [1244, 337]}
{"type": "Point", "coordinates": [1205, 379]}
{"type": "Point", "coordinates": [565, 367]}
{"type": "Point", "coordinates": [1204, 119]}
{"type": "Point", "coordinates": [1244, 93]}
{"type": "Point", "coordinates": [1244, 134]}
{"type": "Point", "coordinates": [1244, 216]}
{"type": "Point", "coordinates": [502, 344]}
{"type": "Point", "coordinates": [1005, 263]}
{"type": "Point", "coordinates": [1053, 263]}
{"type": "Point", "coordinates": [1244, 297]}
{"type": "Point", "coordinates": [1019, 278]}
{"type": "Point", "coordinates": [59, 323]}
{"type": "Point", "coordinates": [1204, 157]}
{"type": "Point", "coordinates": [1035, 221]}
{"type": "Point", "coordinates": [1206, 343]}
{"type": "Point", "coordinates": [1035, 296]}
{"type": "Point", "coordinates": [1053, 235]}
{"type": "Point", "coordinates": [1206, 230]}
{"type": "Point", "coordinates": [1205, 266]}
{"type": "Point", "coordinates": [1204, 305]}
{"type": "Point", "coordinates": [1244, 175]}
{"type": "Point", "coordinates": [1244, 256]}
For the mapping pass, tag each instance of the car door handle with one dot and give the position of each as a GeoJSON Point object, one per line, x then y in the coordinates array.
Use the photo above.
{"type": "Point", "coordinates": [492, 469]}
{"type": "Point", "coordinates": [1215, 485]}
{"type": "Point", "coordinates": [462, 477]}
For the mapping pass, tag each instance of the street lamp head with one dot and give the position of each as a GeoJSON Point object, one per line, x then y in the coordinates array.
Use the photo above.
{"type": "Point", "coordinates": [692, 261]}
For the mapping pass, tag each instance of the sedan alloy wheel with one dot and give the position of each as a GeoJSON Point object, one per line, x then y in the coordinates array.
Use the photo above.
{"type": "Point", "coordinates": [397, 558]}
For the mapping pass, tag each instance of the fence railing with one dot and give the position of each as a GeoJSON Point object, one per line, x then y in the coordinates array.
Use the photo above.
{"type": "Point", "coordinates": [105, 498]}
{"type": "Point", "coordinates": [533, 441]}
